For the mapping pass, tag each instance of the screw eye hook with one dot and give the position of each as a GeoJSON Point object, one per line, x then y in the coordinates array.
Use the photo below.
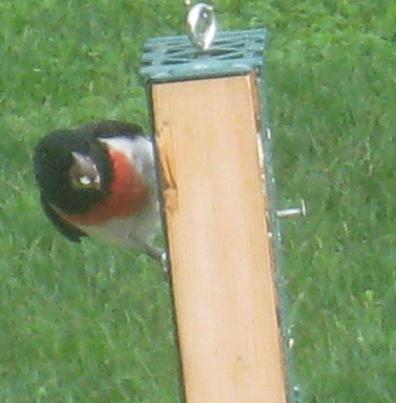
{"type": "Point", "coordinates": [201, 24]}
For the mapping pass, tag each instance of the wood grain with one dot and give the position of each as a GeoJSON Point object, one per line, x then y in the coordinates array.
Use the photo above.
{"type": "Point", "coordinates": [222, 269]}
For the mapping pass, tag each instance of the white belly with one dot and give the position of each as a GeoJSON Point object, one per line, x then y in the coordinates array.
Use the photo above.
{"type": "Point", "coordinates": [134, 231]}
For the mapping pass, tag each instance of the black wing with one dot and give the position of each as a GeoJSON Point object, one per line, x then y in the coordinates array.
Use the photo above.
{"type": "Point", "coordinates": [113, 128]}
{"type": "Point", "coordinates": [68, 230]}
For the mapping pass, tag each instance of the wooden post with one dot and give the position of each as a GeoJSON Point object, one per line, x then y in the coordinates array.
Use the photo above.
{"type": "Point", "coordinates": [216, 216]}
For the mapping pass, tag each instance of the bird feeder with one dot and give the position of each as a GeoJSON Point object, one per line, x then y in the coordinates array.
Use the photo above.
{"type": "Point", "coordinates": [216, 186]}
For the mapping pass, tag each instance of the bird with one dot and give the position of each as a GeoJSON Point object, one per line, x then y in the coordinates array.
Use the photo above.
{"type": "Point", "coordinates": [98, 180]}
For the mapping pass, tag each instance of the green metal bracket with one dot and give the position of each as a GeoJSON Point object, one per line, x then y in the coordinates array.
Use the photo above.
{"type": "Point", "coordinates": [175, 58]}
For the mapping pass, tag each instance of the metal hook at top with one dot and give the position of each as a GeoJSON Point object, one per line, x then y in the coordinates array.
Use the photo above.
{"type": "Point", "coordinates": [201, 23]}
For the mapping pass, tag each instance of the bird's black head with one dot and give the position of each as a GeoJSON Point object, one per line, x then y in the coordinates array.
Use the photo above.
{"type": "Point", "coordinates": [72, 170]}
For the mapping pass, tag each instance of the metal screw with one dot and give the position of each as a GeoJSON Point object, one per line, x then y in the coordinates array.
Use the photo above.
{"type": "Point", "coordinates": [202, 25]}
{"type": "Point", "coordinates": [293, 212]}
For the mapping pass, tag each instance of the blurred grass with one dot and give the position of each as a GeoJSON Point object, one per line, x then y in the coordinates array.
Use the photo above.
{"type": "Point", "coordinates": [93, 324]}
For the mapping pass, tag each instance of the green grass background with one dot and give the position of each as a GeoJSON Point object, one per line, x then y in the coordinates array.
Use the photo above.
{"type": "Point", "coordinates": [93, 324]}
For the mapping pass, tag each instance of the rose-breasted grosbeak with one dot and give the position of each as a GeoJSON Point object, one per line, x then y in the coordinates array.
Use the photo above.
{"type": "Point", "coordinates": [99, 180]}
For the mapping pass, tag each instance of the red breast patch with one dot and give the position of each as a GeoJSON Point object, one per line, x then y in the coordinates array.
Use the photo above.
{"type": "Point", "coordinates": [128, 195]}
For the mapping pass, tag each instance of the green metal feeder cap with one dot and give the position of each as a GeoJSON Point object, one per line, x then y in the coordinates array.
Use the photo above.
{"type": "Point", "coordinates": [175, 58]}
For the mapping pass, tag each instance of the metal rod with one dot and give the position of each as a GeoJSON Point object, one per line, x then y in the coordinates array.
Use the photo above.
{"type": "Point", "coordinates": [294, 211]}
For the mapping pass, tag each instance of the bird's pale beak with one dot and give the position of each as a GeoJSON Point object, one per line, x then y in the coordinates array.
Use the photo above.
{"type": "Point", "coordinates": [84, 173]}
